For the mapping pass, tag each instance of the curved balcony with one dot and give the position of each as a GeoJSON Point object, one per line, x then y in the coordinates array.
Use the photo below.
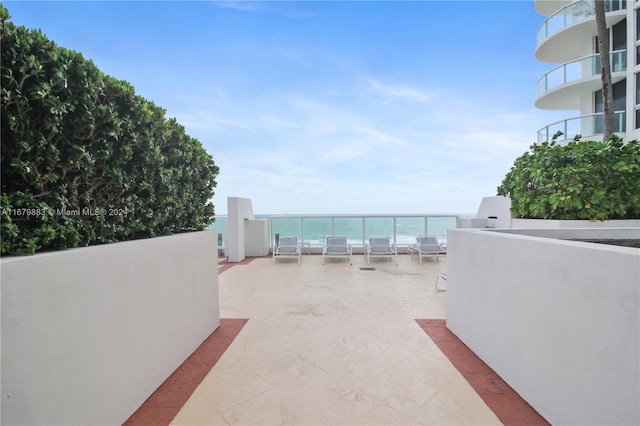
{"type": "Point", "coordinates": [562, 87]}
{"type": "Point", "coordinates": [549, 7]}
{"type": "Point", "coordinates": [561, 33]}
{"type": "Point", "coordinates": [588, 126]}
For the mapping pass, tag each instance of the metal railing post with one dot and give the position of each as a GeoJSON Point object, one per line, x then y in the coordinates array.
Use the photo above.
{"type": "Point", "coordinates": [395, 238]}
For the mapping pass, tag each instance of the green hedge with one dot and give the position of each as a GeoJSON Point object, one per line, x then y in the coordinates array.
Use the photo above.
{"type": "Point", "coordinates": [84, 159]}
{"type": "Point", "coordinates": [581, 180]}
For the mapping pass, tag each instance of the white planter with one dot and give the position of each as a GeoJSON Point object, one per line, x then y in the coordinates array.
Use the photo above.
{"type": "Point", "coordinates": [88, 334]}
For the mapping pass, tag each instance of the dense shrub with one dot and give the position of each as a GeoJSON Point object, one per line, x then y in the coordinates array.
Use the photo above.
{"type": "Point", "coordinates": [84, 159]}
{"type": "Point", "coordinates": [580, 180]}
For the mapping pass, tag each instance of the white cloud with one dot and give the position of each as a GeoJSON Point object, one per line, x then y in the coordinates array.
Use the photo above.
{"type": "Point", "coordinates": [205, 120]}
{"type": "Point", "coordinates": [286, 9]}
{"type": "Point", "coordinates": [309, 152]}
{"type": "Point", "coordinates": [397, 92]}
{"type": "Point", "coordinates": [246, 6]}
{"type": "Point", "coordinates": [277, 122]}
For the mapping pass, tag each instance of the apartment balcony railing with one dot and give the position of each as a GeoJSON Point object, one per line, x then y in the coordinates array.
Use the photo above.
{"type": "Point", "coordinates": [587, 126]}
{"type": "Point", "coordinates": [579, 69]}
{"type": "Point", "coordinates": [572, 14]}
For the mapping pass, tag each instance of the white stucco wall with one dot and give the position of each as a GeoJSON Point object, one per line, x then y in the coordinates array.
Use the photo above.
{"type": "Point", "coordinates": [558, 320]}
{"type": "Point", "coordinates": [88, 334]}
{"type": "Point", "coordinates": [497, 211]}
{"type": "Point", "coordinates": [257, 236]}
{"type": "Point", "coordinates": [493, 212]}
{"type": "Point", "coordinates": [245, 236]}
{"type": "Point", "coordinates": [238, 211]}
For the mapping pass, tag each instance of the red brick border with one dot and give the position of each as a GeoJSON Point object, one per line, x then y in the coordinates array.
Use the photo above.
{"type": "Point", "coordinates": [505, 402]}
{"type": "Point", "coordinates": [165, 403]}
{"type": "Point", "coordinates": [224, 265]}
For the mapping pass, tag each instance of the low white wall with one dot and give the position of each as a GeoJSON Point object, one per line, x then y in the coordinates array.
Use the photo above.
{"type": "Point", "coordinates": [558, 320]}
{"type": "Point", "coordinates": [257, 235]}
{"type": "Point", "coordinates": [88, 334]}
{"type": "Point", "coordinates": [558, 224]}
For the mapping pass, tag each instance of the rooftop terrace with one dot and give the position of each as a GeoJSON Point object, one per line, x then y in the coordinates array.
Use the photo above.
{"type": "Point", "coordinates": [333, 344]}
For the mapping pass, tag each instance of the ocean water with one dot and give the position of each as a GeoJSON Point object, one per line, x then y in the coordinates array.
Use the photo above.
{"type": "Point", "coordinates": [315, 230]}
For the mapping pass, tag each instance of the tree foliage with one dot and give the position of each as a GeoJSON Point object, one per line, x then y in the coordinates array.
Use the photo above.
{"type": "Point", "coordinates": [581, 180]}
{"type": "Point", "coordinates": [84, 159]}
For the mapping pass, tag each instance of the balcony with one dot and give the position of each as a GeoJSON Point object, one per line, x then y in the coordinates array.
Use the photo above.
{"type": "Point", "coordinates": [588, 126]}
{"type": "Point", "coordinates": [561, 34]}
{"type": "Point", "coordinates": [549, 7]}
{"type": "Point", "coordinates": [562, 87]}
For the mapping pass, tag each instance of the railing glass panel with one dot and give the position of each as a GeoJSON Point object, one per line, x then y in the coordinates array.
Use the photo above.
{"type": "Point", "coordinates": [402, 229]}
{"type": "Point", "coordinates": [286, 228]}
{"type": "Point", "coordinates": [350, 227]}
{"type": "Point", "coordinates": [379, 227]}
{"type": "Point", "coordinates": [317, 226]}
{"type": "Point", "coordinates": [586, 67]}
{"type": "Point", "coordinates": [572, 14]}
{"type": "Point", "coordinates": [436, 224]}
{"type": "Point", "coordinates": [587, 126]}
{"type": "Point", "coordinates": [406, 225]}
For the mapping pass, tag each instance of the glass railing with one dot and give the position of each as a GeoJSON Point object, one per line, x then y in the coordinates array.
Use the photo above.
{"type": "Point", "coordinates": [572, 14]}
{"type": "Point", "coordinates": [587, 126]}
{"type": "Point", "coordinates": [402, 229]}
{"type": "Point", "coordinates": [588, 66]}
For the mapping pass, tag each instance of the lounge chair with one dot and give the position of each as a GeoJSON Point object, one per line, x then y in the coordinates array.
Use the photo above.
{"type": "Point", "coordinates": [427, 246]}
{"type": "Point", "coordinates": [337, 247]}
{"type": "Point", "coordinates": [380, 246]}
{"type": "Point", "coordinates": [287, 246]}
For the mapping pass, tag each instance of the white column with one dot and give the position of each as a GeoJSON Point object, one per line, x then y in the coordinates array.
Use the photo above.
{"type": "Point", "coordinates": [238, 210]}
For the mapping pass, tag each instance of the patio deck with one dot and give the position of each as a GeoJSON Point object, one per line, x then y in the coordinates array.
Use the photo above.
{"type": "Point", "coordinates": [334, 345]}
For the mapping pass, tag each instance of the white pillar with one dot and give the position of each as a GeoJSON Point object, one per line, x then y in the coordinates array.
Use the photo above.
{"type": "Point", "coordinates": [238, 210]}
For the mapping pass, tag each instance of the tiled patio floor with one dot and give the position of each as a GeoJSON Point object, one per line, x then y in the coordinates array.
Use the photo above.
{"type": "Point", "coordinates": [333, 345]}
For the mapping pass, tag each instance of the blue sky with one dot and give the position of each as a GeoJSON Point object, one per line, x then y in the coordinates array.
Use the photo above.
{"type": "Point", "coordinates": [328, 107]}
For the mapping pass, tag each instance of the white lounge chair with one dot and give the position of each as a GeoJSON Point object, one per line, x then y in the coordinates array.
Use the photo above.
{"type": "Point", "coordinates": [337, 247]}
{"type": "Point", "coordinates": [427, 246]}
{"type": "Point", "coordinates": [380, 246]}
{"type": "Point", "coordinates": [288, 247]}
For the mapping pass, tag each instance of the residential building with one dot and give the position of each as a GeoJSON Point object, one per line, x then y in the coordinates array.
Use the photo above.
{"type": "Point", "coordinates": [568, 39]}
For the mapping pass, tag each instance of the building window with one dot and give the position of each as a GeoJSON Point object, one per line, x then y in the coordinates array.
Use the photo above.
{"type": "Point", "coordinates": [637, 110]}
{"type": "Point", "coordinates": [638, 36]}
{"type": "Point", "coordinates": [619, 36]}
{"type": "Point", "coordinates": [619, 104]}
{"type": "Point", "coordinates": [619, 97]}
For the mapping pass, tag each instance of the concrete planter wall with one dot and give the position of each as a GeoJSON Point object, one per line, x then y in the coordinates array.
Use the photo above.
{"type": "Point", "coordinates": [558, 320]}
{"type": "Point", "coordinates": [88, 334]}
{"type": "Point", "coordinates": [559, 224]}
